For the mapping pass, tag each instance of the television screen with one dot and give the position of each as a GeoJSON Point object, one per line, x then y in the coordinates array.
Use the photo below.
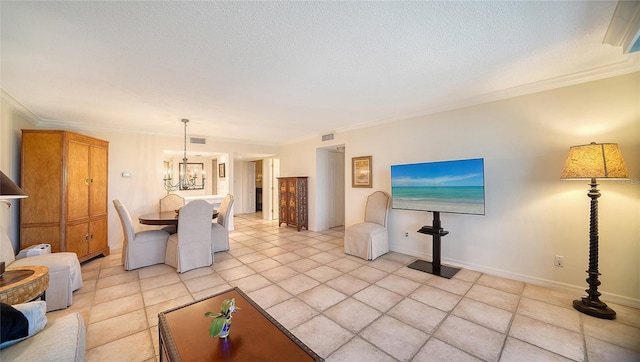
{"type": "Point", "coordinates": [447, 186]}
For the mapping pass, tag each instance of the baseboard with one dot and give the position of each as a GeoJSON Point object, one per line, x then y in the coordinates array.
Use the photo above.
{"type": "Point", "coordinates": [578, 290]}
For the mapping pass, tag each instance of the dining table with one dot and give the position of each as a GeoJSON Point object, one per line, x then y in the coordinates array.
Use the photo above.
{"type": "Point", "coordinates": [164, 218]}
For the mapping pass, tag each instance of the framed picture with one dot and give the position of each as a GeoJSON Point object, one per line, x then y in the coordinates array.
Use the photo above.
{"type": "Point", "coordinates": [361, 171]}
{"type": "Point", "coordinates": [221, 170]}
{"type": "Point", "coordinates": [194, 176]}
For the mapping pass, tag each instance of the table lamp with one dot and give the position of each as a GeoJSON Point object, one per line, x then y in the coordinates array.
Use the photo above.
{"type": "Point", "coordinates": [8, 191]}
{"type": "Point", "coordinates": [593, 161]}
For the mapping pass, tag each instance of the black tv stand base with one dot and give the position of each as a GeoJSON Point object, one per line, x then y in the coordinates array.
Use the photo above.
{"type": "Point", "coordinates": [427, 267]}
{"type": "Point", "coordinates": [435, 267]}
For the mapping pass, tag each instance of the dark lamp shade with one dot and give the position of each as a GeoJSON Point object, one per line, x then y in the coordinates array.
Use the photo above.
{"type": "Point", "coordinates": [595, 160]}
{"type": "Point", "coordinates": [8, 189]}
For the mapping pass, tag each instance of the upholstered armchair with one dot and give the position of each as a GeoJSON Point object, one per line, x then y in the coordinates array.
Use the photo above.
{"type": "Point", "coordinates": [190, 247]}
{"type": "Point", "coordinates": [370, 239]}
{"type": "Point", "coordinates": [65, 275]}
{"type": "Point", "coordinates": [220, 227]}
{"type": "Point", "coordinates": [171, 202]}
{"type": "Point", "coordinates": [141, 248]}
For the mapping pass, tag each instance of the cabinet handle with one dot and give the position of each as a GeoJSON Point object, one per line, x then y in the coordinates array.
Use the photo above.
{"type": "Point", "coordinates": [92, 180]}
{"type": "Point", "coordinates": [91, 236]}
{"type": "Point", "coordinates": [86, 237]}
{"type": "Point", "coordinates": [86, 181]}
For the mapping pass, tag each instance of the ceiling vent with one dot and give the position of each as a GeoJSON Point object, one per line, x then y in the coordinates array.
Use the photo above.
{"type": "Point", "coordinates": [198, 140]}
{"type": "Point", "coordinates": [327, 137]}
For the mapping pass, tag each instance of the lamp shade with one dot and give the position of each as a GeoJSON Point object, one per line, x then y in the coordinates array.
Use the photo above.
{"type": "Point", "coordinates": [8, 189]}
{"type": "Point", "coordinates": [595, 160]}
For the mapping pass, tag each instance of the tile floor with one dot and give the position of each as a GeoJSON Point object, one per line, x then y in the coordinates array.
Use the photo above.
{"type": "Point", "coordinates": [348, 309]}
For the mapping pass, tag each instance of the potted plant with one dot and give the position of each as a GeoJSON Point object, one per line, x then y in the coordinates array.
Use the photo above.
{"type": "Point", "coordinates": [222, 321]}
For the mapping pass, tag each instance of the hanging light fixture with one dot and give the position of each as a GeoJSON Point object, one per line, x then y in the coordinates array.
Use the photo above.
{"type": "Point", "coordinates": [187, 180]}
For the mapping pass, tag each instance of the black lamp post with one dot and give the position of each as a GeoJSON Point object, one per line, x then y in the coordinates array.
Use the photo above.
{"type": "Point", "coordinates": [592, 161]}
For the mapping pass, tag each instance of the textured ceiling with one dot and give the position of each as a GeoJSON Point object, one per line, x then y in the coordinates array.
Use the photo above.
{"type": "Point", "coordinates": [279, 72]}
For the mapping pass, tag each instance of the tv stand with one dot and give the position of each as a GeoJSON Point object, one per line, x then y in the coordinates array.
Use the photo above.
{"type": "Point", "coordinates": [435, 267]}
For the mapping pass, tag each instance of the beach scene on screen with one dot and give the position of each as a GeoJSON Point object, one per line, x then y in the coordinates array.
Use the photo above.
{"type": "Point", "coordinates": [448, 186]}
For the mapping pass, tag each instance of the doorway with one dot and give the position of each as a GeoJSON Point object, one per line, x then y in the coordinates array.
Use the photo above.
{"type": "Point", "coordinates": [330, 187]}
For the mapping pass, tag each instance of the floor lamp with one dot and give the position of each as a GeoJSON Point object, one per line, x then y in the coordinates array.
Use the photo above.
{"type": "Point", "coordinates": [593, 161]}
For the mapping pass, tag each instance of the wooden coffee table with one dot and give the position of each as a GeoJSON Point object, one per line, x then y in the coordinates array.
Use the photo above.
{"type": "Point", "coordinates": [254, 335]}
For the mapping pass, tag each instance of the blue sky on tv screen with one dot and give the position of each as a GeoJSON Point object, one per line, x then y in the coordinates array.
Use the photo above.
{"type": "Point", "coordinates": [446, 173]}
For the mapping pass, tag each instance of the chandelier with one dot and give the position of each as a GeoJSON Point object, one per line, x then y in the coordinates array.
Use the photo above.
{"type": "Point", "coordinates": [188, 178]}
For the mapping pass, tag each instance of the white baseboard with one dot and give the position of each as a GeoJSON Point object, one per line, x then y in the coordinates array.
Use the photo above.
{"type": "Point", "coordinates": [578, 290]}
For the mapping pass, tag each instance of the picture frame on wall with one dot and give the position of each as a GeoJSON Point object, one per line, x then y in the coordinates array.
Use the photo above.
{"type": "Point", "coordinates": [361, 174]}
{"type": "Point", "coordinates": [221, 170]}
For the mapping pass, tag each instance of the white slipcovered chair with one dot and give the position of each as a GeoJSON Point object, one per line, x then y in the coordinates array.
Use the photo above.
{"type": "Point", "coordinates": [370, 239]}
{"type": "Point", "coordinates": [190, 247]}
{"type": "Point", "coordinates": [220, 227]}
{"type": "Point", "coordinates": [65, 275]}
{"type": "Point", "coordinates": [141, 248]}
{"type": "Point", "coordinates": [171, 202]}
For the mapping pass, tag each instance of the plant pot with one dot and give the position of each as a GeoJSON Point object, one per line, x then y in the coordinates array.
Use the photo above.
{"type": "Point", "coordinates": [224, 333]}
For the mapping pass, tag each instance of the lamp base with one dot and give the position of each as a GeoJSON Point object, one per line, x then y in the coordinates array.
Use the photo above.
{"type": "Point", "coordinates": [596, 309]}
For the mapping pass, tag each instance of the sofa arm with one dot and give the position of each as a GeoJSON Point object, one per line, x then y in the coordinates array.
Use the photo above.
{"type": "Point", "coordinates": [61, 340]}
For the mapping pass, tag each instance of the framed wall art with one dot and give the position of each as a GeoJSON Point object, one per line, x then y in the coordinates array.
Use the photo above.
{"type": "Point", "coordinates": [221, 170]}
{"type": "Point", "coordinates": [361, 171]}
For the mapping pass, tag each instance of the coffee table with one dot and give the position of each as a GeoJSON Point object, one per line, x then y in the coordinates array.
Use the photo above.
{"type": "Point", "coordinates": [23, 284]}
{"type": "Point", "coordinates": [254, 335]}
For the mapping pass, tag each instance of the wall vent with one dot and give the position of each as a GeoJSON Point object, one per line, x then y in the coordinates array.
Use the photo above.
{"type": "Point", "coordinates": [327, 137]}
{"type": "Point", "coordinates": [198, 140]}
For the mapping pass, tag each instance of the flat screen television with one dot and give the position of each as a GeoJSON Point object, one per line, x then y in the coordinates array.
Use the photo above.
{"type": "Point", "coordinates": [446, 186]}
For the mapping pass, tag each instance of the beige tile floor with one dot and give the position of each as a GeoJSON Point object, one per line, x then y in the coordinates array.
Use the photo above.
{"type": "Point", "coordinates": [348, 309]}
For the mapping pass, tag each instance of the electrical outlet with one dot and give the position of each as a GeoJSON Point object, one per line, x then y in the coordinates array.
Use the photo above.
{"type": "Point", "coordinates": [559, 261]}
{"type": "Point", "coordinates": [406, 234]}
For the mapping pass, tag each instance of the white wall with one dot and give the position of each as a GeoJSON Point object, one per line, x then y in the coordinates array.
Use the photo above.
{"type": "Point", "coordinates": [13, 118]}
{"type": "Point", "coordinates": [531, 215]}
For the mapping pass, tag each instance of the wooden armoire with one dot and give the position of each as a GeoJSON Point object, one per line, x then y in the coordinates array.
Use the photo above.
{"type": "Point", "coordinates": [65, 175]}
{"type": "Point", "coordinates": [293, 201]}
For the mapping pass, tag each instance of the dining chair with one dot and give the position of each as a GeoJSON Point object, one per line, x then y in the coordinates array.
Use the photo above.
{"type": "Point", "coordinates": [190, 247]}
{"type": "Point", "coordinates": [171, 202]}
{"type": "Point", "coordinates": [220, 227]}
{"type": "Point", "coordinates": [142, 248]}
{"type": "Point", "coordinates": [370, 239]}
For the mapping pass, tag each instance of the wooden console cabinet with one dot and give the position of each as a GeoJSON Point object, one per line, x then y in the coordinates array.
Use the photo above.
{"type": "Point", "coordinates": [65, 175]}
{"type": "Point", "coordinates": [293, 202]}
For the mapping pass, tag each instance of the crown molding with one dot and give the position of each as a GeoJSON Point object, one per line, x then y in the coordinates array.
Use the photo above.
{"type": "Point", "coordinates": [630, 64]}
{"type": "Point", "coordinates": [9, 98]}
{"type": "Point", "coordinates": [624, 28]}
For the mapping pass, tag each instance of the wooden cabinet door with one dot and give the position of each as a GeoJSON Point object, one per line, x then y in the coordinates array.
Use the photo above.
{"type": "Point", "coordinates": [77, 181]}
{"type": "Point", "coordinates": [98, 234]}
{"type": "Point", "coordinates": [98, 168]}
{"type": "Point", "coordinates": [77, 239]}
{"type": "Point", "coordinates": [292, 200]}
{"type": "Point", "coordinates": [283, 201]}
{"type": "Point", "coordinates": [41, 180]}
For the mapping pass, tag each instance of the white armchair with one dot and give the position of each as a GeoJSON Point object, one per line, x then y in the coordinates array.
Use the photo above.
{"type": "Point", "coordinates": [220, 227]}
{"type": "Point", "coordinates": [65, 275]}
{"type": "Point", "coordinates": [143, 248]}
{"type": "Point", "coordinates": [370, 239]}
{"type": "Point", "coordinates": [190, 247]}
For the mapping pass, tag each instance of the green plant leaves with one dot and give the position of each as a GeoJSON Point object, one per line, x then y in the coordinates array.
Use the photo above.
{"type": "Point", "coordinates": [216, 326]}
{"type": "Point", "coordinates": [226, 308]}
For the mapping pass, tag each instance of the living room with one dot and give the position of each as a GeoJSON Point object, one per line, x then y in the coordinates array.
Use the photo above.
{"type": "Point", "coordinates": [522, 133]}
